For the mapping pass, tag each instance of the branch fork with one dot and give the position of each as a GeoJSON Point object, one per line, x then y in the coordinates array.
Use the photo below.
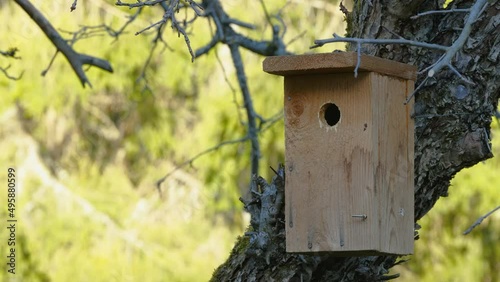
{"type": "Point", "coordinates": [449, 51]}
{"type": "Point", "coordinates": [75, 59]}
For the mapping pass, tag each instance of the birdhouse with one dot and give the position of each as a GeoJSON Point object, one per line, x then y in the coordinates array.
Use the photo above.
{"type": "Point", "coordinates": [349, 154]}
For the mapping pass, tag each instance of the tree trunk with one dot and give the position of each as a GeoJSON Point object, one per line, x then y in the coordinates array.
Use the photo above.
{"type": "Point", "coordinates": [452, 120]}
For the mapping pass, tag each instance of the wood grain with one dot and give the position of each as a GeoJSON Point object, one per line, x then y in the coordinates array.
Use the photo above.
{"type": "Point", "coordinates": [336, 62]}
{"type": "Point", "coordinates": [363, 165]}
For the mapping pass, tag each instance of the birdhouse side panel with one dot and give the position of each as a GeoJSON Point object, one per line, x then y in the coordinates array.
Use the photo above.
{"type": "Point", "coordinates": [329, 163]}
{"type": "Point", "coordinates": [394, 167]}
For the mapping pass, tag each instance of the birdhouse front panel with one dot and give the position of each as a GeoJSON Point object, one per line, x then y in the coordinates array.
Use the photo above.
{"type": "Point", "coordinates": [328, 151]}
{"type": "Point", "coordinates": [349, 154]}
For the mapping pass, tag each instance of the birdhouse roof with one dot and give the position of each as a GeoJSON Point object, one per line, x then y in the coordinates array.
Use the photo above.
{"type": "Point", "coordinates": [336, 63]}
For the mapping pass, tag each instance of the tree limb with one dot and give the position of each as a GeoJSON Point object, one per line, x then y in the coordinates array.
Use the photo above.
{"type": "Point", "coordinates": [475, 11]}
{"type": "Point", "coordinates": [338, 38]}
{"type": "Point", "coordinates": [76, 60]}
{"type": "Point", "coordinates": [444, 61]}
{"type": "Point", "coordinates": [479, 220]}
{"type": "Point", "coordinates": [251, 114]}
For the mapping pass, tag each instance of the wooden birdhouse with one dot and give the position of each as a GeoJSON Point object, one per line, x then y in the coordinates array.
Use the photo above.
{"type": "Point", "coordinates": [349, 154]}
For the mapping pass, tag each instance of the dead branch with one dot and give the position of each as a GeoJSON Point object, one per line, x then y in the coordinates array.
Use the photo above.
{"type": "Point", "coordinates": [11, 53]}
{"type": "Point", "coordinates": [444, 61]}
{"type": "Point", "coordinates": [76, 60]}
{"type": "Point", "coordinates": [439, 12]}
{"type": "Point", "coordinates": [170, 11]}
{"type": "Point", "coordinates": [6, 73]}
{"type": "Point", "coordinates": [479, 220]}
{"type": "Point", "coordinates": [475, 12]}
{"type": "Point", "coordinates": [139, 4]}
{"type": "Point", "coordinates": [225, 34]}
{"type": "Point", "coordinates": [73, 6]}
{"type": "Point", "coordinates": [248, 103]}
{"type": "Point", "coordinates": [197, 156]}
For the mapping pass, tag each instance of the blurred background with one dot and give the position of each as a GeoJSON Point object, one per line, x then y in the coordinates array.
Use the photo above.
{"type": "Point", "coordinates": [88, 159]}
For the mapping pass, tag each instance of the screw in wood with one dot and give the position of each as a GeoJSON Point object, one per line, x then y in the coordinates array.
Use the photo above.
{"type": "Point", "coordinates": [363, 216]}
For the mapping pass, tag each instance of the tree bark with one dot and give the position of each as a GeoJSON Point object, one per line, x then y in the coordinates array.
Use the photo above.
{"type": "Point", "coordinates": [452, 120]}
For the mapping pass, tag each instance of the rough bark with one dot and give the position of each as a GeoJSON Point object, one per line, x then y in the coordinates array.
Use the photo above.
{"type": "Point", "coordinates": [452, 120]}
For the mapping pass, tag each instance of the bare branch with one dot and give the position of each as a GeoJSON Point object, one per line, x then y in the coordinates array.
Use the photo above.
{"type": "Point", "coordinates": [205, 49]}
{"type": "Point", "coordinates": [479, 220]}
{"type": "Point", "coordinates": [225, 34]}
{"type": "Point", "coordinates": [476, 10]}
{"type": "Point", "coordinates": [416, 90]}
{"type": "Point", "coordinates": [233, 90]}
{"type": "Point", "coordinates": [440, 12]}
{"type": "Point", "coordinates": [248, 103]}
{"type": "Point", "coordinates": [11, 53]}
{"type": "Point", "coordinates": [139, 4]}
{"type": "Point", "coordinates": [239, 23]}
{"type": "Point", "coordinates": [443, 61]}
{"type": "Point", "coordinates": [158, 39]}
{"type": "Point", "coordinates": [170, 11]}
{"type": "Point", "coordinates": [73, 6]}
{"type": "Point", "coordinates": [5, 72]}
{"type": "Point", "coordinates": [44, 72]}
{"type": "Point", "coordinates": [75, 59]}
{"type": "Point", "coordinates": [197, 156]}
{"type": "Point", "coordinates": [402, 41]}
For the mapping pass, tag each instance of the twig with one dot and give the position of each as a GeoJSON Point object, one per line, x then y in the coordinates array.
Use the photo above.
{"type": "Point", "coordinates": [233, 90]}
{"type": "Point", "coordinates": [358, 59]}
{"type": "Point", "coordinates": [360, 41]}
{"type": "Point", "coordinates": [239, 23]}
{"type": "Point", "coordinates": [444, 61]}
{"type": "Point", "coordinates": [268, 18]}
{"type": "Point", "coordinates": [138, 3]}
{"type": "Point", "coordinates": [170, 11]}
{"type": "Point", "coordinates": [268, 123]}
{"type": "Point", "coordinates": [439, 12]}
{"type": "Point", "coordinates": [75, 59]}
{"type": "Point", "coordinates": [248, 103]}
{"type": "Point", "coordinates": [5, 72]}
{"type": "Point", "coordinates": [457, 73]}
{"type": "Point", "coordinates": [475, 11]}
{"type": "Point", "coordinates": [488, 140]}
{"type": "Point", "coordinates": [44, 72]}
{"type": "Point", "coordinates": [479, 220]}
{"type": "Point", "coordinates": [296, 37]}
{"type": "Point", "coordinates": [338, 38]}
{"type": "Point", "coordinates": [416, 90]}
{"type": "Point", "coordinates": [73, 6]}
{"type": "Point", "coordinates": [225, 34]}
{"type": "Point", "coordinates": [197, 156]}
{"type": "Point", "coordinates": [11, 53]}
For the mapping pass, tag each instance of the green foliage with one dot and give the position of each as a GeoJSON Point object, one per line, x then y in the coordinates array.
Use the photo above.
{"type": "Point", "coordinates": [442, 253]}
{"type": "Point", "coordinates": [93, 212]}
{"type": "Point", "coordinates": [90, 210]}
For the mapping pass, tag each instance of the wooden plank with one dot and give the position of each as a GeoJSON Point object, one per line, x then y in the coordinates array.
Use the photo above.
{"type": "Point", "coordinates": [336, 63]}
{"type": "Point", "coordinates": [362, 165]}
{"type": "Point", "coordinates": [394, 163]}
{"type": "Point", "coordinates": [330, 174]}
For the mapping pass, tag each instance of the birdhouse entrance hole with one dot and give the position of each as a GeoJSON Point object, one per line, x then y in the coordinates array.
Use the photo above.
{"type": "Point", "coordinates": [349, 142]}
{"type": "Point", "coordinates": [331, 113]}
